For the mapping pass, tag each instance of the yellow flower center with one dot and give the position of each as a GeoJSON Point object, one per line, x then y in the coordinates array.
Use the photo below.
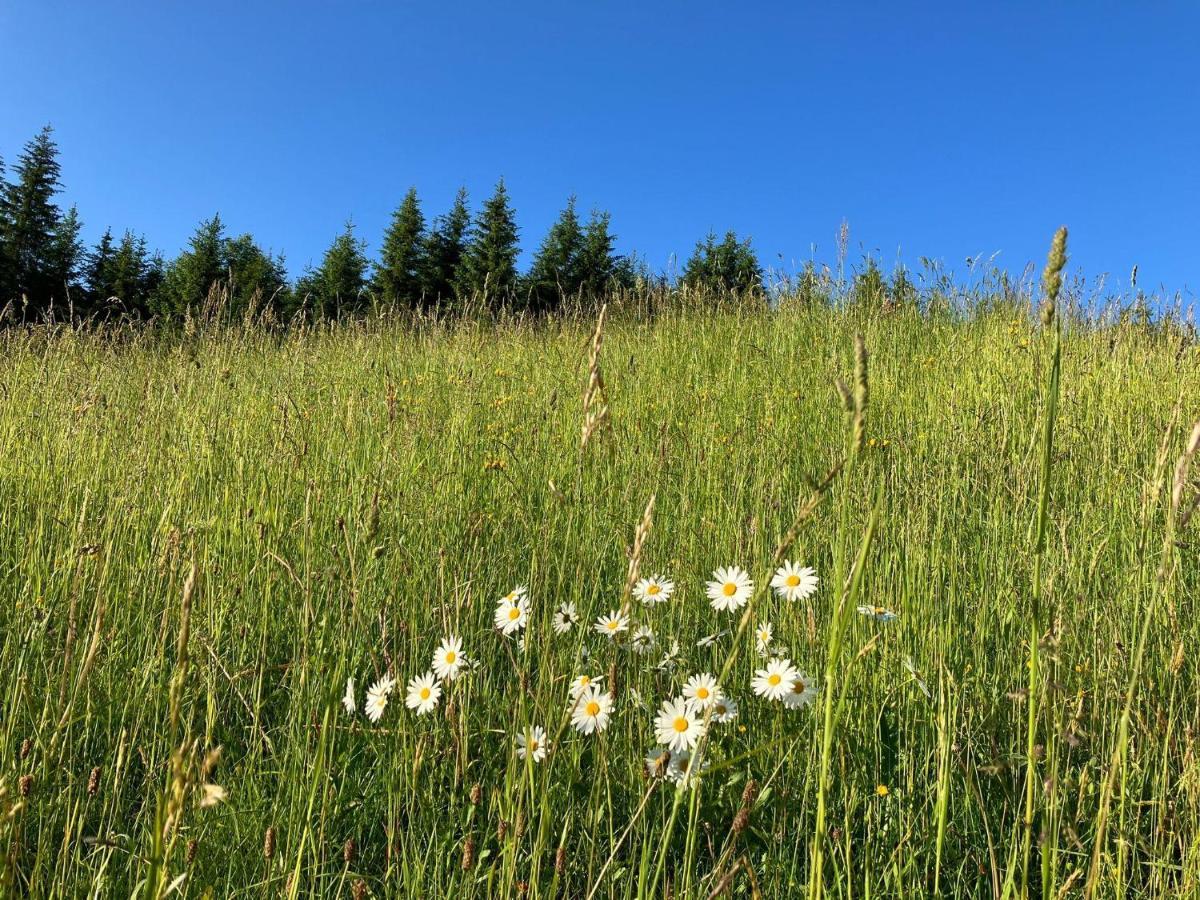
{"type": "Point", "coordinates": [612, 624]}
{"type": "Point", "coordinates": [593, 708]}
{"type": "Point", "coordinates": [730, 589]}
{"type": "Point", "coordinates": [451, 657]}
{"type": "Point", "coordinates": [773, 679]}
{"type": "Point", "coordinates": [793, 580]}
{"type": "Point", "coordinates": [533, 745]}
{"type": "Point", "coordinates": [764, 636]}
{"type": "Point", "coordinates": [424, 693]}
{"type": "Point", "coordinates": [680, 725]}
{"type": "Point", "coordinates": [799, 686]}
{"type": "Point", "coordinates": [702, 693]}
{"type": "Point", "coordinates": [653, 590]}
{"type": "Point", "coordinates": [514, 614]}
{"type": "Point", "coordinates": [584, 681]}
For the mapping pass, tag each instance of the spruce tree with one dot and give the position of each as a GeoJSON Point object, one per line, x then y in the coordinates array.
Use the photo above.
{"type": "Point", "coordinates": [397, 281]}
{"type": "Point", "coordinates": [65, 261]}
{"type": "Point", "coordinates": [725, 267]}
{"type": "Point", "coordinates": [489, 266]}
{"type": "Point", "coordinates": [257, 279]}
{"type": "Point", "coordinates": [192, 274]}
{"type": "Point", "coordinates": [97, 273]}
{"type": "Point", "coordinates": [599, 267]}
{"type": "Point", "coordinates": [555, 272]}
{"type": "Point", "coordinates": [31, 241]}
{"type": "Point", "coordinates": [443, 252]}
{"type": "Point", "coordinates": [339, 285]}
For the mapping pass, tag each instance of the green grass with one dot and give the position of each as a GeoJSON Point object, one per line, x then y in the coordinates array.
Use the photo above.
{"type": "Point", "coordinates": [350, 495]}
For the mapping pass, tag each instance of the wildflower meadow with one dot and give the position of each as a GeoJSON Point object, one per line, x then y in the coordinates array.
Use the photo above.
{"type": "Point", "coordinates": [783, 599]}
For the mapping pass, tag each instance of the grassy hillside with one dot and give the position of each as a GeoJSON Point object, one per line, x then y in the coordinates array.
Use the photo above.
{"type": "Point", "coordinates": [202, 538]}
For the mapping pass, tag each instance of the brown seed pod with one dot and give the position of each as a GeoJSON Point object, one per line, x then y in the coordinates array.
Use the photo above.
{"type": "Point", "coordinates": [468, 857]}
{"type": "Point", "coordinates": [193, 846]}
{"type": "Point", "coordinates": [26, 746]}
{"type": "Point", "coordinates": [269, 843]}
{"type": "Point", "coordinates": [476, 793]}
{"type": "Point", "coordinates": [25, 785]}
{"type": "Point", "coordinates": [94, 782]}
{"type": "Point", "coordinates": [348, 849]}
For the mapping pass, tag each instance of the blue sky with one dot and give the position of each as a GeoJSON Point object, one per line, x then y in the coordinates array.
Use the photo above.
{"type": "Point", "coordinates": [944, 130]}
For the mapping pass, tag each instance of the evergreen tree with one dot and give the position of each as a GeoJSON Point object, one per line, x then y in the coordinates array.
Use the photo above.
{"type": "Point", "coordinates": [398, 277]}
{"type": "Point", "coordinates": [728, 266]}
{"type": "Point", "coordinates": [489, 265]}
{"type": "Point", "coordinates": [869, 286]}
{"type": "Point", "coordinates": [257, 279]}
{"type": "Point", "coordinates": [97, 273]}
{"type": "Point", "coordinates": [7, 277]}
{"type": "Point", "coordinates": [121, 278]}
{"type": "Point", "coordinates": [600, 269]}
{"type": "Point", "coordinates": [192, 274]}
{"type": "Point", "coordinates": [443, 252]}
{"type": "Point", "coordinates": [65, 261]}
{"type": "Point", "coordinates": [555, 272]}
{"type": "Point", "coordinates": [33, 245]}
{"type": "Point", "coordinates": [340, 283]}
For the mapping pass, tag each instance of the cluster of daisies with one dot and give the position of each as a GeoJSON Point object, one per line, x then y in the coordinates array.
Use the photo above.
{"type": "Point", "coordinates": [679, 723]}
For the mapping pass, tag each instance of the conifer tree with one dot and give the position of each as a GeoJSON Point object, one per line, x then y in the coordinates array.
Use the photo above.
{"type": "Point", "coordinates": [339, 285]}
{"type": "Point", "coordinates": [33, 246]}
{"type": "Point", "coordinates": [65, 261]}
{"type": "Point", "coordinates": [443, 252]}
{"type": "Point", "coordinates": [728, 266]}
{"type": "Point", "coordinates": [398, 277]}
{"type": "Point", "coordinates": [192, 274]}
{"type": "Point", "coordinates": [555, 272]}
{"type": "Point", "coordinates": [489, 266]}
{"type": "Point", "coordinates": [7, 277]}
{"type": "Point", "coordinates": [599, 267]}
{"type": "Point", "coordinates": [96, 273]}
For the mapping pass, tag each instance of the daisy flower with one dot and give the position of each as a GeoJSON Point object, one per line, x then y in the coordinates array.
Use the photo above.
{"type": "Point", "coordinates": [612, 624]}
{"type": "Point", "coordinates": [348, 699]}
{"type": "Point", "coordinates": [532, 743]}
{"type": "Point", "coordinates": [878, 613]}
{"type": "Point", "coordinates": [724, 709]}
{"type": "Point", "coordinates": [730, 589]}
{"type": "Point", "coordinates": [582, 683]}
{"type": "Point", "coordinates": [448, 659]}
{"type": "Point", "coordinates": [683, 770]}
{"type": "Point", "coordinates": [658, 762]}
{"type": "Point", "coordinates": [377, 697]}
{"type": "Point", "coordinates": [423, 693]}
{"type": "Point", "coordinates": [643, 639]}
{"type": "Point", "coordinates": [565, 618]}
{"type": "Point", "coordinates": [775, 681]}
{"type": "Point", "coordinates": [710, 639]}
{"type": "Point", "coordinates": [762, 637]}
{"type": "Point", "coordinates": [795, 582]}
{"type": "Point", "coordinates": [511, 615]}
{"type": "Point", "coordinates": [654, 589]}
{"type": "Point", "coordinates": [700, 691]}
{"type": "Point", "coordinates": [671, 658]}
{"type": "Point", "coordinates": [677, 725]}
{"type": "Point", "coordinates": [520, 592]}
{"type": "Point", "coordinates": [803, 692]}
{"type": "Point", "coordinates": [591, 709]}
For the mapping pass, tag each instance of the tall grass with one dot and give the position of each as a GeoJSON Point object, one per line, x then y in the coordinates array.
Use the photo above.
{"type": "Point", "coordinates": [202, 536]}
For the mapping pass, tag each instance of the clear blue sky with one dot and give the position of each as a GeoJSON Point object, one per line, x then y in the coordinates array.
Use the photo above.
{"type": "Point", "coordinates": [947, 130]}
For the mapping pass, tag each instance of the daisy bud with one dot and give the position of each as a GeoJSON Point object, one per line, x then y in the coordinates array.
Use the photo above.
{"type": "Point", "coordinates": [468, 859]}
{"type": "Point", "coordinates": [269, 843]}
{"type": "Point", "coordinates": [348, 851]}
{"type": "Point", "coordinates": [25, 785]}
{"type": "Point", "coordinates": [192, 847]}
{"type": "Point", "coordinates": [94, 782]}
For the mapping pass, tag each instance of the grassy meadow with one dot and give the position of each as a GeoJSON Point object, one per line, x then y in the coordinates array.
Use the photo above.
{"type": "Point", "coordinates": [202, 536]}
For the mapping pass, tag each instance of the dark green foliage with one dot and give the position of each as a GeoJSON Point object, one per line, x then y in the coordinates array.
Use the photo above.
{"type": "Point", "coordinates": [904, 291]}
{"type": "Point", "coordinates": [398, 277]}
{"type": "Point", "coordinates": [729, 266]}
{"type": "Point", "coordinates": [40, 245]}
{"type": "Point", "coordinates": [339, 285]}
{"type": "Point", "coordinates": [489, 266]}
{"type": "Point", "coordinates": [556, 268]}
{"type": "Point", "coordinates": [121, 278]}
{"type": "Point", "coordinates": [250, 278]}
{"type": "Point", "coordinates": [443, 253]}
{"type": "Point", "coordinates": [869, 286]}
{"type": "Point", "coordinates": [600, 268]}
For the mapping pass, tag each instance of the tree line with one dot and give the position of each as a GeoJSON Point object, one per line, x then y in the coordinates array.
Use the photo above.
{"type": "Point", "coordinates": [454, 259]}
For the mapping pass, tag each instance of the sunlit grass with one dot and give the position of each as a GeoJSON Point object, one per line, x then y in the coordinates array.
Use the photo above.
{"type": "Point", "coordinates": [351, 497]}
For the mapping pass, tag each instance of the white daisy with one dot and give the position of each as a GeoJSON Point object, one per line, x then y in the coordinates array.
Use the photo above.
{"type": "Point", "coordinates": [612, 624]}
{"type": "Point", "coordinates": [565, 618]}
{"type": "Point", "coordinates": [348, 700]}
{"type": "Point", "coordinates": [730, 589]}
{"type": "Point", "coordinates": [590, 711]}
{"type": "Point", "coordinates": [879, 613]}
{"type": "Point", "coordinates": [725, 709]}
{"type": "Point", "coordinates": [684, 771]}
{"type": "Point", "coordinates": [658, 762]}
{"type": "Point", "coordinates": [511, 615]}
{"type": "Point", "coordinates": [762, 636]}
{"type": "Point", "coordinates": [654, 589]}
{"type": "Point", "coordinates": [701, 691]}
{"type": "Point", "coordinates": [776, 680]}
{"type": "Point", "coordinates": [520, 592]}
{"type": "Point", "coordinates": [377, 697]}
{"type": "Point", "coordinates": [582, 683]}
{"type": "Point", "coordinates": [532, 742]}
{"type": "Point", "coordinates": [795, 582]}
{"type": "Point", "coordinates": [448, 659]}
{"type": "Point", "coordinates": [709, 639]}
{"type": "Point", "coordinates": [803, 692]}
{"type": "Point", "coordinates": [677, 725]}
{"type": "Point", "coordinates": [423, 693]}
{"type": "Point", "coordinates": [671, 658]}
{"type": "Point", "coordinates": [643, 639]}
